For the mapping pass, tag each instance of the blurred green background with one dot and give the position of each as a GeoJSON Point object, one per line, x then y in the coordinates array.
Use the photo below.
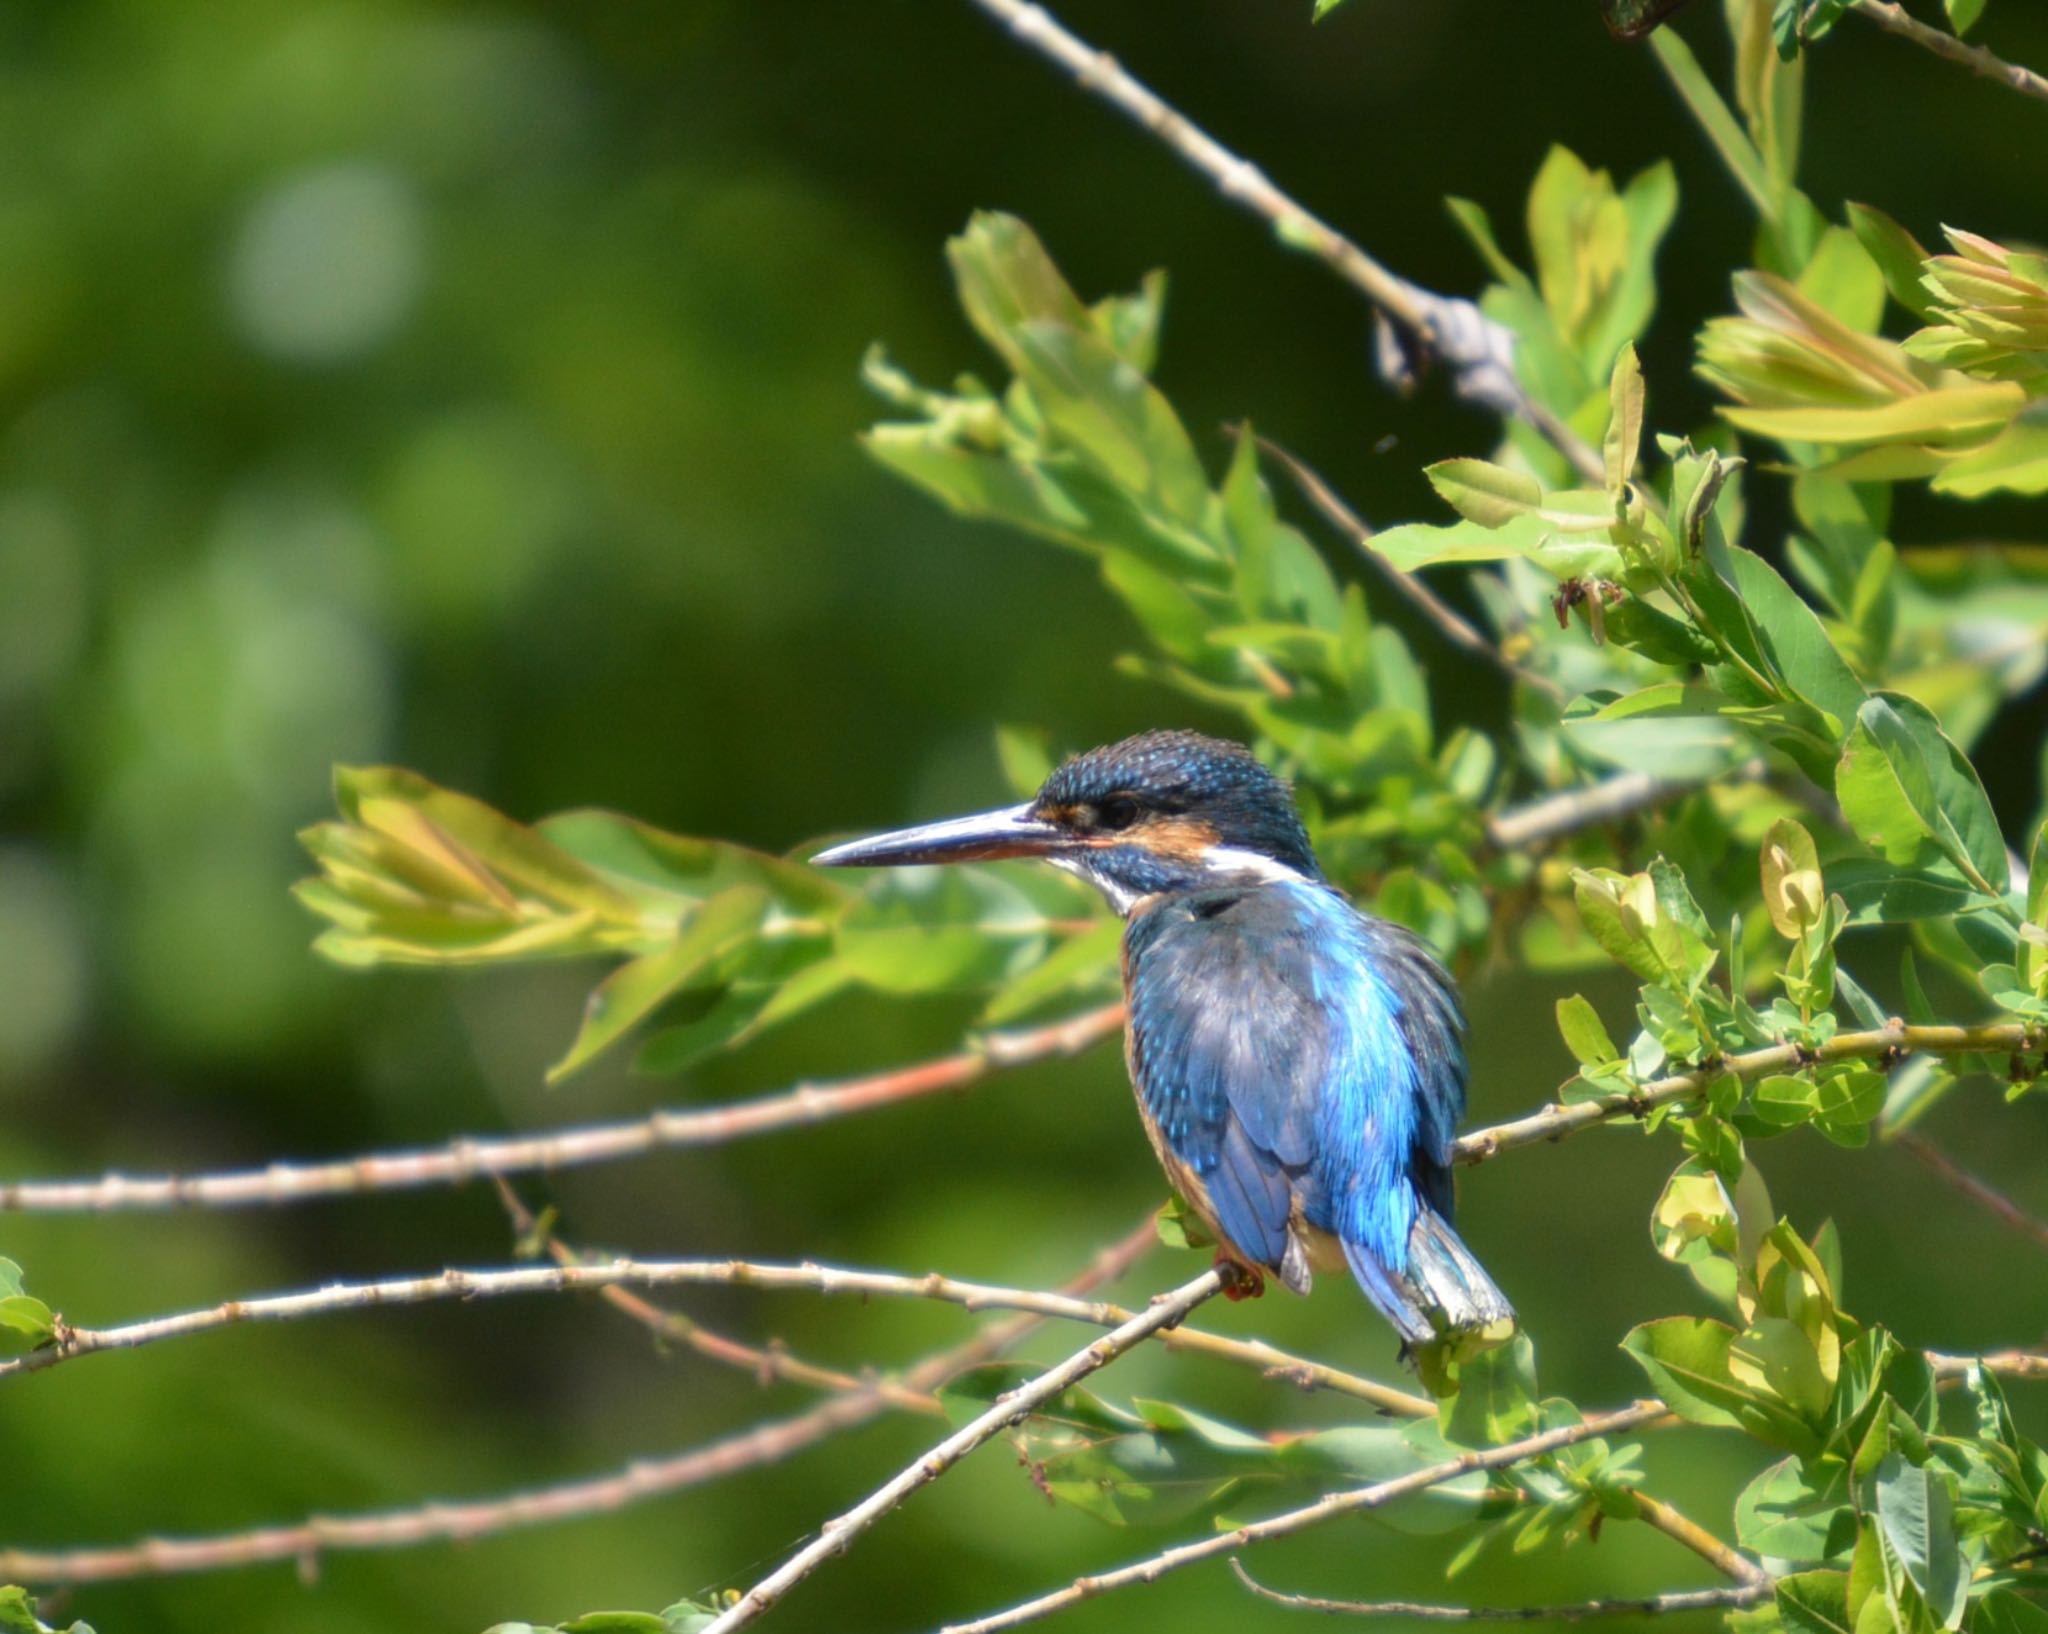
{"type": "Point", "coordinates": [474, 387]}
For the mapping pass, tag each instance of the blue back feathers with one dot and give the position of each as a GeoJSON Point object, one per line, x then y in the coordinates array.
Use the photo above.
{"type": "Point", "coordinates": [1299, 1056]}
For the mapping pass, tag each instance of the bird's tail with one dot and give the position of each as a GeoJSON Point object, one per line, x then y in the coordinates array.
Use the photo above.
{"type": "Point", "coordinates": [1444, 1293]}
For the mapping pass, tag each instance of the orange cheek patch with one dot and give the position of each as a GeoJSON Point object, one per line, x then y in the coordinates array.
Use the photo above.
{"type": "Point", "coordinates": [1184, 839]}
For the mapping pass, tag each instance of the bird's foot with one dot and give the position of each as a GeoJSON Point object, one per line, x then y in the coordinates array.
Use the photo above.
{"type": "Point", "coordinates": [1240, 1281]}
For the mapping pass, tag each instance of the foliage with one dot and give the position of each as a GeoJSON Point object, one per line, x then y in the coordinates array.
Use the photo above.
{"type": "Point", "coordinates": [1649, 629]}
{"type": "Point", "coordinates": [1825, 852]}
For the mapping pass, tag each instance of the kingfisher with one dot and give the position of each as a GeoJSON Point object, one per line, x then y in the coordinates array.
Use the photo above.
{"type": "Point", "coordinates": [1299, 1065]}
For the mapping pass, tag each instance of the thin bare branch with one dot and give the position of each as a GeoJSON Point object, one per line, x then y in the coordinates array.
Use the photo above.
{"type": "Point", "coordinates": [305, 1541]}
{"type": "Point", "coordinates": [2007, 1364]}
{"type": "Point", "coordinates": [1682, 1528]}
{"type": "Point", "coordinates": [1895, 19]}
{"type": "Point", "coordinates": [447, 1521]}
{"type": "Point", "coordinates": [1355, 1501]}
{"type": "Point", "coordinates": [1479, 352]}
{"type": "Point", "coordinates": [766, 1363]}
{"type": "Point", "coordinates": [472, 1158]}
{"type": "Point", "coordinates": [1612, 799]}
{"type": "Point", "coordinates": [837, 1536]}
{"type": "Point", "coordinates": [1979, 1190]}
{"type": "Point", "coordinates": [1560, 1119]}
{"type": "Point", "coordinates": [1448, 622]}
{"type": "Point", "coordinates": [73, 1342]}
{"type": "Point", "coordinates": [1656, 1605]}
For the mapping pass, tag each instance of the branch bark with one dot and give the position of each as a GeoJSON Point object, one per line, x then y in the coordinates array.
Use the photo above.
{"type": "Point", "coordinates": [1895, 19]}
{"type": "Point", "coordinates": [1479, 352]}
{"type": "Point", "coordinates": [1356, 1501]}
{"type": "Point", "coordinates": [305, 1541]}
{"type": "Point", "coordinates": [73, 1342]}
{"type": "Point", "coordinates": [1979, 1190]}
{"type": "Point", "coordinates": [1656, 1605]}
{"type": "Point", "coordinates": [837, 1536]}
{"type": "Point", "coordinates": [473, 1157]}
{"type": "Point", "coordinates": [1560, 1119]}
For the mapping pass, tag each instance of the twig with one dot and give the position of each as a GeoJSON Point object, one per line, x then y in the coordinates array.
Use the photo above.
{"type": "Point", "coordinates": [472, 1158]}
{"type": "Point", "coordinates": [1682, 1528]}
{"type": "Point", "coordinates": [1978, 1190]}
{"type": "Point", "coordinates": [445, 1521]}
{"type": "Point", "coordinates": [1356, 1501]}
{"type": "Point", "coordinates": [2007, 1364]}
{"type": "Point", "coordinates": [1560, 1119]}
{"type": "Point", "coordinates": [765, 1444]}
{"type": "Point", "coordinates": [836, 1536]}
{"type": "Point", "coordinates": [1894, 19]}
{"type": "Point", "coordinates": [1478, 351]}
{"type": "Point", "coordinates": [1748, 1594]}
{"type": "Point", "coordinates": [1446, 619]}
{"type": "Point", "coordinates": [1608, 801]}
{"type": "Point", "coordinates": [764, 1363]}
{"type": "Point", "coordinates": [73, 1342]}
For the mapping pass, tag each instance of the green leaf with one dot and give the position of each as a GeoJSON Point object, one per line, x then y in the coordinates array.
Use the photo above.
{"type": "Point", "coordinates": [1084, 963]}
{"type": "Point", "coordinates": [1687, 1362]}
{"type": "Point", "coordinates": [1737, 152]}
{"type": "Point", "coordinates": [634, 991]}
{"type": "Point", "coordinates": [25, 1322]}
{"type": "Point", "coordinates": [1814, 1602]}
{"type": "Point", "coordinates": [922, 930]}
{"type": "Point", "coordinates": [2002, 1611]}
{"type": "Point", "coordinates": [1417, 545]}
{"type": "Point", "coordinates": [1948, 415]}
{"type": "Point", "coordinates": [1963, 14]}
{"type": "Point", "coordinates": [1916, 1511]}
{"type": "Point", "coordinates": [1484, 493]}
{"type": "Point", "coordinates": [1793, 894]}
{"type": "Point", "coordinates": [1496, 1399]}
{"type": "Point", "coordinates": [1898, 256]}
{"type": "Point", "coordinates": [1624, 421]}
{"type": "Point", "coordinates": [18, 1615]}
{"type": "Point", "coordinates": [1774, 1358]}
{"type": "Point", "coordinates": [1880, 892]}
{"type": "Point", "coordinates": [1794, 639]}
{"type": "Point", "coordinates": [2015, 461]}
{"type": "Point", "coordinates": [1782, 1515]}
{"type": "Point", "coordinates": [1902, 781]}
{"type": "Point", "coordinates": [1584, 1035]}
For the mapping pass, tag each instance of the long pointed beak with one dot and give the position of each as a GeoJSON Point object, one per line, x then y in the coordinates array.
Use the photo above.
{"type": "Point", "coordinates": [1011, 832]}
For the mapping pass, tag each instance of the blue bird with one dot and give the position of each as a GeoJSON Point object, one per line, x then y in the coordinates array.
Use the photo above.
{"type": "Point", "coordinates": [1298, 1064]}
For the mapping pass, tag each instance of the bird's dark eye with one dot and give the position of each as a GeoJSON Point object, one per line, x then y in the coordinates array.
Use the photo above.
{"type": "Point", "coordinates": [1119, 811]}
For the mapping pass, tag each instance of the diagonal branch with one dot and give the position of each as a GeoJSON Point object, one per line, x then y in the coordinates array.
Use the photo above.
{"type": "Point", "coordinates": [1359, 1500]}
{"type": "Point", "coordinates": [1656, 1605]}
{"type": "Point", "coordinates": [472, 1158]}
{"type": "Point", "coordinates": [1681, 1528]}
{"type": "Point", "coordinates": [1479, 352]}
{"type": "Point", "coordinates": [1597, 804]}
{"type": "Point", "coordinates": [836, 1536]}
{"type": "Point", "coordinates": [1560, 1119]}
{"type": "Point", "coordinates": [1895, 19]}
{"type": "Point", "coordinates": [1979, 1190]}
{"type": "Point", "coordinates": [1448, 622]}
{"type": "Point", "coordinates": [305, 1541]}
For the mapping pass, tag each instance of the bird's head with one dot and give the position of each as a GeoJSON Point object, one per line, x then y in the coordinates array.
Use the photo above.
{"type": "Point", "coordinates": [1163, 811]}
